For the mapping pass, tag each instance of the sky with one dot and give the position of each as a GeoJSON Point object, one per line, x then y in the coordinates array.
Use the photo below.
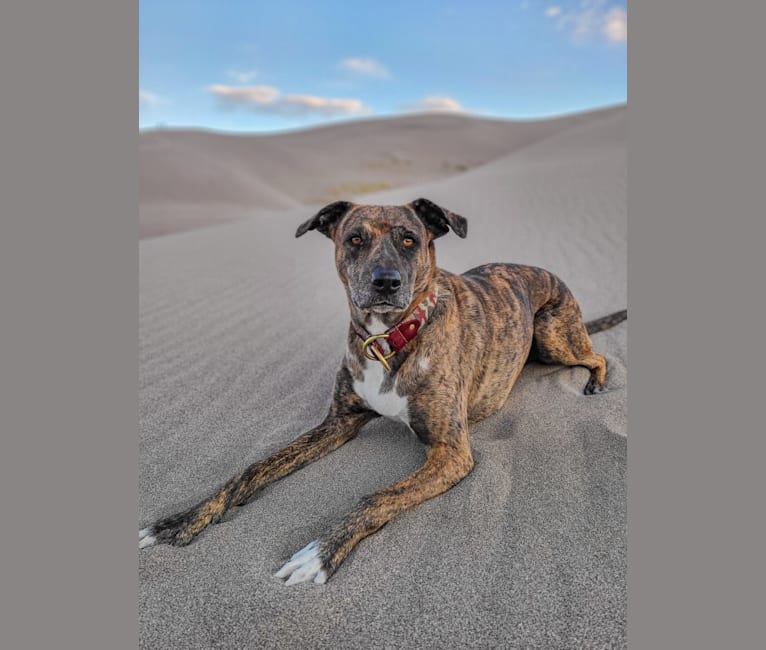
{"type": "Point", "coordinates": [273, 65]}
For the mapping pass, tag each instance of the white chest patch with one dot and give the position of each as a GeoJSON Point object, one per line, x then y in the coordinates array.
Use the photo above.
{"type": "Point", "coordinates": [390, 404]}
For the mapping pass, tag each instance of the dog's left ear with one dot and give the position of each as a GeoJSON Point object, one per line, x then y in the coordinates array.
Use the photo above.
{"type": "Point", "coordinates": [326, 219]}
{"type": "Point", "coordinates": [438, 220]}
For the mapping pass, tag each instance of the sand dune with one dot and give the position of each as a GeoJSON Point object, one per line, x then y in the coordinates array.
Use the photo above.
{"type": "Point", "coordinates": [241, 330]}
{"type": "Point", "coordinates": [193, 178]}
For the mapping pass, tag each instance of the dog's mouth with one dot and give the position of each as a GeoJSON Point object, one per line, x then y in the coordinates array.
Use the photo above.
{"type": "Point", "coordinates": [380, 303]}
{"type": "Point", "coordinates": [383, 307]}
{"type": "Point", "coordinates": [380, 306]}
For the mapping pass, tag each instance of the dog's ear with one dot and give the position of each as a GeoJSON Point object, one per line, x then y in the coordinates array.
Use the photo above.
{"type": "Point", "coordinates": [326, 219]}
{"type": "Point", "coordinates": [438, 220]}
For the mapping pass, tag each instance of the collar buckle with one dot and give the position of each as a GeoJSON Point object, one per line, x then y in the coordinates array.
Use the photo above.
{"type": "Point", "coordinates": [376, 354]}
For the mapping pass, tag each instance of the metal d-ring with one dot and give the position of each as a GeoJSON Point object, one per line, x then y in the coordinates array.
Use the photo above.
{"type": "Point", "coordinates": [377, 354]}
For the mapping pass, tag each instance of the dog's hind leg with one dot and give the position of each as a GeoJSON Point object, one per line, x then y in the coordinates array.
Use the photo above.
{"type": "Point", "coordinates": [560, 336]}
{"type": "Point", "coordinates": [346, 417]}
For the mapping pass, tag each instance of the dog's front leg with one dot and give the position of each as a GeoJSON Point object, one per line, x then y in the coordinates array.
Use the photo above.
{"type": "Point", "coordinates": [446, 465]}
{"type": "Point", "coordinates": [346, 417]}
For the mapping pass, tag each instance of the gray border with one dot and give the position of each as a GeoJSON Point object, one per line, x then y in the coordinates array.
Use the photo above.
{"type": "Point", "coordinates": [69, 274]}
{"type": "Point", "coordinates": [68, 268]}
{"type": "Point", "coordinates": [695, 160]}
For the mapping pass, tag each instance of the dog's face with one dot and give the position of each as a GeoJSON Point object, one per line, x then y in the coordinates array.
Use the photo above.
{"type": "Point", "coordinates": [384, 254]}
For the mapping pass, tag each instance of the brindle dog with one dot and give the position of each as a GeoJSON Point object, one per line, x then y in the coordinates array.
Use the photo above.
{"type": "Point", "coordinates": [483, 326]}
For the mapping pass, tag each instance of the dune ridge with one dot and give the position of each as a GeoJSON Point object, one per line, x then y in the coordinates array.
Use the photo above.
{"type": "Point", "coordinates": [217, 177]}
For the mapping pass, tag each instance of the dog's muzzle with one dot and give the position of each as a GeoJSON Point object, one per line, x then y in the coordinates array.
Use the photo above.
{"type": "Point", "coordinates": [386, 281]}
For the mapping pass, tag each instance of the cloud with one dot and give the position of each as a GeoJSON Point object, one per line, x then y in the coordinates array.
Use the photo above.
{"type": "Point", "coordinates": [366, 68]}
{"type": "Point", "coordinates": [242, 76]}
{"type": "Point", "coordinates": [269, 99]}
{"type": "Point", "coordinates": [435, 104]}
{"type": "Point", "coordinates": [590, 20]}
{"type": "Point", "coordinates": [326, 106]}
{"type": "Point", "coordinates": [234, 96]}
{"type": "Point", "coordinates": [145, 98]}
{"type": "Point", "coordinates": [616, 25]}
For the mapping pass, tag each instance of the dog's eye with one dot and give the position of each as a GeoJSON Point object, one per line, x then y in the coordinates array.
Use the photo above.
{"type": "Point", "coordinates": [408, 242]}
{"type": "Point", "coordinates": [356, 240]}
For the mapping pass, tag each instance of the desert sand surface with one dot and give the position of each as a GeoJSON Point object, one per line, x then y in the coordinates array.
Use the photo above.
{"type": "Point", "coordinates": [191, 179]}
{"type": "Point", "coordinates": [242, 327]}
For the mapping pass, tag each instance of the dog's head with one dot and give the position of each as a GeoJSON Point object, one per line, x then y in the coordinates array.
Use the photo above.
{"type": "Point", "coordinates": [384, 254]}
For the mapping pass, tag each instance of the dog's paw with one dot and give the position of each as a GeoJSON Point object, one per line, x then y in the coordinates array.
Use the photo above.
{"type": "Point", "coordinates": [305, 565]}
{"type": "Point", "coordinates": [146, 537]}
{"type": "Point", "coordinates": [176, 530]}
{"type": "Point", "coordinates": [594, 388]}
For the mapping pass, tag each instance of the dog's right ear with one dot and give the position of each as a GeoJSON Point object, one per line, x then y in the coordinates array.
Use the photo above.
{"type": "Point", "coordinates": [326, 219]}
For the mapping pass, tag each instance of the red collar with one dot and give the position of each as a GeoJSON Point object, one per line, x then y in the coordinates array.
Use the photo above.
{"type": "Point", "coordinates": [382, 347]}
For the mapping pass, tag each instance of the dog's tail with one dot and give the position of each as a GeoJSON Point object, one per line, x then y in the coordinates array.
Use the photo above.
{"type": "Point", "coordinates": [601, 324]}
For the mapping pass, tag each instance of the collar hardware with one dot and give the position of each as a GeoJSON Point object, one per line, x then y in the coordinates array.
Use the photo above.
{"type": "Point", "coordinates": [378, 355]}
{"type": "Point", "coordinates": [382, 347]}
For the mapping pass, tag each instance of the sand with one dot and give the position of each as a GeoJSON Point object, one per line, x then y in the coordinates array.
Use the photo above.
{"type": "Point", "coordinates": [241, 330]}
{"type": "Point", "coordinates": [192, 179]}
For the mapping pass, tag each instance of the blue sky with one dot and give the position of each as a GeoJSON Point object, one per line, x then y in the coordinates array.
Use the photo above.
{"type": "Point", "coordinates": [281, 64]}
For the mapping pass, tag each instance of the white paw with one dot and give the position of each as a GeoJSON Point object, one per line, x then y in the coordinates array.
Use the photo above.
{"type": "Point", "coordinates": [303, 566]}
{"type": "Point", "coordinates": [145, 538]}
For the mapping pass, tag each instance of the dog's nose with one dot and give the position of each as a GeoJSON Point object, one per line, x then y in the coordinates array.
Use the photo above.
{"type": "Point", "coordinates": [386, 280]}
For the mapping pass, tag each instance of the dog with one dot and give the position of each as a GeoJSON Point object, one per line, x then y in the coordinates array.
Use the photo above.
{"type": "Point", "coordinates": [432, 349]}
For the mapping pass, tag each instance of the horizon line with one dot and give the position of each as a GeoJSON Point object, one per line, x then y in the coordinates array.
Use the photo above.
{"type": "Point", "coordinates": [389, 117]}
